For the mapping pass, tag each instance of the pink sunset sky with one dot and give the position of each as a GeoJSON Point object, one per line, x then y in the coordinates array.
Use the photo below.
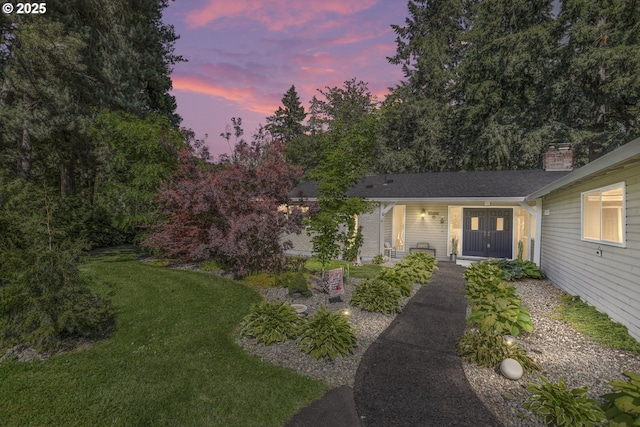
{"type": "Point", "coordinates": [243, 55]}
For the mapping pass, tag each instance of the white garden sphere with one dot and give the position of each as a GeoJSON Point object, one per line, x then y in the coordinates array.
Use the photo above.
{"type": "Point", "coordinates": [511, 369]}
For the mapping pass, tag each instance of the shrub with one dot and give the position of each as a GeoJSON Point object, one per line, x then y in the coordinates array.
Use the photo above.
{"type": "Point", "coordinates": [228, 212]}
{"type": "Point", "coordinates": [378, 259]}
{"type": "Point", "coordinates": [488, 349]}
{"type": "Point", "coordinates": [45, 300]}
{"type": "Point", "coordinates": [298, 284]}
{"type": "Point", "coordinates": [294, 263]}
{"type": "Point", "coordinates": [262, 280]}
{"type": "Point", "coordinates": [209, 266]}
{"type": "Point", "coordinates": [327, 335]}
{"type": "Point", "coordinates": [622, 407]}
{"type": "Point", "coordinates": [271, 322]}
{"type": "Point", "coordinates": [563, 407]}
{"type": "Point", "coordinates": [376, 295]}
{"type": "Point", "coordinates": [295, 282]}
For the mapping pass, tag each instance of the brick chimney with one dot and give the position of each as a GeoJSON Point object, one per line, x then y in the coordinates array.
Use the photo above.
{"type": "Point", "coordinates": [558, 158]}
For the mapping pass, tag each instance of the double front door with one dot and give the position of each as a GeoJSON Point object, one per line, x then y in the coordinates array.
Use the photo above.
{"type": "Point", "coordinates": [487, 232]}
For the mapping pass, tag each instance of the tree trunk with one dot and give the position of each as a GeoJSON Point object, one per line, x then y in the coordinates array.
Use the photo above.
{"type": "Point", "coordinates": [24, 161]}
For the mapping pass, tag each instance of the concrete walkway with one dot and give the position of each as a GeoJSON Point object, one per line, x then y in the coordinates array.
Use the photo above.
{"type": "Point", "coordinates": [411, 375]}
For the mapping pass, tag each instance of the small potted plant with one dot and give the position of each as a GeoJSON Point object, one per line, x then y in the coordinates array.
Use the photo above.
{"type": "Point", "coordinates": [454, 249]}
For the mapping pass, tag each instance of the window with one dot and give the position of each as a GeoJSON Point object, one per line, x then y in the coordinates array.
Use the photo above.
{"type": "Point", "coordinates": [603, 215]}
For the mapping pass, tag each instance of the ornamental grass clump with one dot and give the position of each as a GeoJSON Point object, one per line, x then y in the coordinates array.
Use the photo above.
{"type": "Point", "coordinates": [376, 295]}
{"type": "Point", "coordinates": [559, 406]}
{"type": "Point", "coordinates": [271, 322]}
{"type": "Point", "coordinates": [327, 335]}
{"type": "Point", "coordinates": [488, 349]}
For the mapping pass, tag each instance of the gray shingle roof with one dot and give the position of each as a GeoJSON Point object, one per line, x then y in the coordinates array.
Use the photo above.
{"type": "Point", "coordinates": [445, 185]}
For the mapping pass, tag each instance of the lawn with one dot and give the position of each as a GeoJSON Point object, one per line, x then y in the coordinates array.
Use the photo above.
{"type": "Point", "coordinates": [172, 360]}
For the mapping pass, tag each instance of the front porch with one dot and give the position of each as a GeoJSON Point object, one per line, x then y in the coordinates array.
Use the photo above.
{"type": "Point", "coordinates": [473, 231]}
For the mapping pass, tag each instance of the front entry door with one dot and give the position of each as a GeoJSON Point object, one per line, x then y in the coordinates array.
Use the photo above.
{"type": "Point", "coordinates": [487, 232]}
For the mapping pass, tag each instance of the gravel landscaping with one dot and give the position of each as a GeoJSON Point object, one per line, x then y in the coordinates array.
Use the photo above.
{"type": "Point", "coordinates": [341, 371]}
{"type": "Point", "coordinates": [554, 345]}
{"type": "Point", "coordinates": [559, 350]}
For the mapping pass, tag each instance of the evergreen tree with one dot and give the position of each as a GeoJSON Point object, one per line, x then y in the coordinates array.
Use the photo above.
{"type": "Point", "coordinates": [596, 90]}
{"type": "Point", "coordinates": [60, 69]}
{"type": "Point", "coordinates": [501, 84]}
{"type": "Point", "coordinates": [286, 123]}
{"type": "Point", "coordinates": [416, 131]}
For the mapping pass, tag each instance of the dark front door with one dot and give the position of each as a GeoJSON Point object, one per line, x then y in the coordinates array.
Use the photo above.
{"type": "Point", "coordinates": [487, 232]}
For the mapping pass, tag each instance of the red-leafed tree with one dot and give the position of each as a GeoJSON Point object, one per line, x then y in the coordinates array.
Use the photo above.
{"type": "Point", "coordinates": [231, 211]}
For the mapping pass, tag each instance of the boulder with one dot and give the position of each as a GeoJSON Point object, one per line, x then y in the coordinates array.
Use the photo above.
{"type": "Point", "coordinates": [511, 369]}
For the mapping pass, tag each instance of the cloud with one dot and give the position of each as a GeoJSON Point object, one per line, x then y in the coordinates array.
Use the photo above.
{"type": "Point", "coordinates": [248, 98]}
{"type": "Point", "coordinates": [275, 15]}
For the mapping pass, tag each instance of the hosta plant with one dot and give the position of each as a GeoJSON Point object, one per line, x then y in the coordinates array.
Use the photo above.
{"type": "Point", "coordinates": [478, 289]}
{"type": "Point", "coordinates": [421, 260]}
{"type": "Point", "coordinates": [560, 406]}
{"type": "Point", "coordinates": [271, 322]}
{"type": "Point", "coordinates": [397, 278]}
{"type": "Point", "coordinates": [327, 335]}
{"type": "Point", "coordinates": [622, 406]}
{"type": "Point", "coordinates": [482, 272]}
{"type": "Point", "coordinates": [376, 295]}
{"type": "Point", "coordinates": [517, 269]}
{"type": "Point", "coordinates": [488, 349]}
{"type": "Point", "coordinates": [504, 315]}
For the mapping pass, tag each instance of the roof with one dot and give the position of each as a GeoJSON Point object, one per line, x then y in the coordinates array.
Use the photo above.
{"type": "Point", "coordinates": [628, 153]}
{"type": "Point", "coordinates": [508, 185]}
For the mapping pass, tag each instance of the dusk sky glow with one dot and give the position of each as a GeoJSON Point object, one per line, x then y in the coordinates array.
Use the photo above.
{"type": "Point", "coordinates": [243, 55]}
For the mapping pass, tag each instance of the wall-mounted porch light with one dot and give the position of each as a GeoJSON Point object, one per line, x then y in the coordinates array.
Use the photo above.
{"type": "Point", "coordinates": [422, 214]}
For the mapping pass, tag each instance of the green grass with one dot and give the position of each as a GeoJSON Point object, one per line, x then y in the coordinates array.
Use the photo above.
{"type": "Point", "coordinates": [172, 361]}
{"type": "Point", "coordinates": [365, 271]}
{"type": "Point", "coordinates": [596, 325]}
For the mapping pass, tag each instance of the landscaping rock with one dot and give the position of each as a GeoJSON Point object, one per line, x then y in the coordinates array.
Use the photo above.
{"type": "Point", "coordinates": [511, 369]}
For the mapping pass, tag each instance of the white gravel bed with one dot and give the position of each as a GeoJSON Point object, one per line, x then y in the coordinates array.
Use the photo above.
{"type": "Point", "coordinates": [554, 345]}
{"type": "Point", "coordinates": [341, 371]}
{"type": "Point", "coordinates": [559, 350]}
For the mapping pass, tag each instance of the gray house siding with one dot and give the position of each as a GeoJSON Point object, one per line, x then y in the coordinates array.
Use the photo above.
{"type": "Point", "coordinates": [610, 282]}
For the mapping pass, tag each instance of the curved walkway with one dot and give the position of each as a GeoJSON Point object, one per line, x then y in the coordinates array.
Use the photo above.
{"type": "Point", "coordinates": [411, 375]}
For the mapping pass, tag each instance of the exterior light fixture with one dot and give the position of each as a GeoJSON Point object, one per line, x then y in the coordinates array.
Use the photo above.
{"type": "Point", "coordinates": [346, 312]}
{"type": "Point", "coordinates": [422, 215]}
{"type": "Point", "coordinates": [509, 340]}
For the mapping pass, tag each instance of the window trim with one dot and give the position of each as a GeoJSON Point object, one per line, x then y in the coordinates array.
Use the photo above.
{"type": "Point", "coordinates": [600, 190]}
